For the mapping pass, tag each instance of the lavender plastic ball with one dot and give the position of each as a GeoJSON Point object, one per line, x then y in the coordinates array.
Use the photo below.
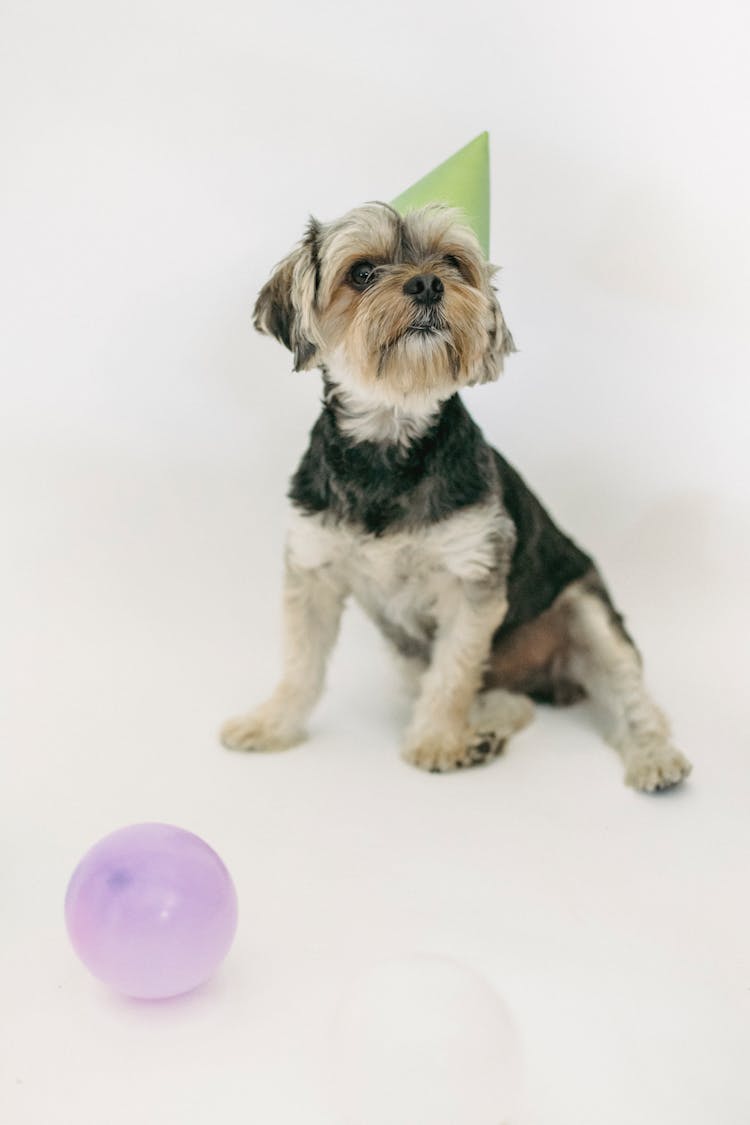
{"type": "Point", "coordinates": [151, 910]}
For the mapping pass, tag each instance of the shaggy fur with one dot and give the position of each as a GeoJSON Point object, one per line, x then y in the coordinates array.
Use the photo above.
{"type": "Point", "coordinates": [400, 503]}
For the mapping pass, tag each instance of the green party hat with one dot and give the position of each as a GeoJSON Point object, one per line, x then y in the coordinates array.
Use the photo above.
{"type": "Point", "coordinates": [463, 180]}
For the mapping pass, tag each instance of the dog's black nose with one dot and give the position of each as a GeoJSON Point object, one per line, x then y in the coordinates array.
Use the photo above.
{"type": "Point", "coordinates": [426, 289]}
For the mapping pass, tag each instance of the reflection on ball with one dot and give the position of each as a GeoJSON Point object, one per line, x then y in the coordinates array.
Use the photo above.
{"type": "Point", "coordinates": [425, 1041]}
{"type": "Point", "coordinates": [151, 910]}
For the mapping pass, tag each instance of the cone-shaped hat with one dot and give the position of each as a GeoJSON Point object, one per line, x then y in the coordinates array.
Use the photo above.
{"type": "Point", "coordinates": [463, 180]}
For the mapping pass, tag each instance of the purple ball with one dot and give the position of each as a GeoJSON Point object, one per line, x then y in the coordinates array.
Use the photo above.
{"type": "Point", "coordinates": [151, 910]}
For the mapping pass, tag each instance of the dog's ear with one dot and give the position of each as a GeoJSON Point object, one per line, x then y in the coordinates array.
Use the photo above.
{"type": "Point", "coordinates": [499, 340]}
{"type": "Point", "coordinates": [285, 307]}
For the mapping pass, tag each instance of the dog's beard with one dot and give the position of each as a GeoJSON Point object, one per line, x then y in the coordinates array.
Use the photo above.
{"type": "Point", "coordinates": [397, 349]}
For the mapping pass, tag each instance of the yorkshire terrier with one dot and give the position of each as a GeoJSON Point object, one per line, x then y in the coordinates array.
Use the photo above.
{"type": "Point", "coordinates": [400, 502]}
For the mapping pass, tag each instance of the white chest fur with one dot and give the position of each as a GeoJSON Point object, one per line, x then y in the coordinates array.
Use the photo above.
{"type": "Point", "coordinates": [408, 580]}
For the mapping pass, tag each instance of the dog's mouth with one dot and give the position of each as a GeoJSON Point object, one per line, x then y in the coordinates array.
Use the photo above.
{"type": "Point", "coordinates": [428, 324]}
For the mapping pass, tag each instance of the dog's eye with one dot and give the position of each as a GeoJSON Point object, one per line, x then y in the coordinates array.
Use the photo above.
{"type": "Point", "coordinates": [361, 274]}
{"type": "Point", "coordinates": [453, 262]}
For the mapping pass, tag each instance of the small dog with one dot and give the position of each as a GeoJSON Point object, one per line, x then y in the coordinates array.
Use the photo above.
{"type": "Point", "coordinates": [400, 502]}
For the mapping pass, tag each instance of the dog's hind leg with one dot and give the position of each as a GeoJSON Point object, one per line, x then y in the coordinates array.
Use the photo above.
{"type": "Point", "coordinates": [497, 714]}
{"type": "Point", "coordinates": [603, 659]}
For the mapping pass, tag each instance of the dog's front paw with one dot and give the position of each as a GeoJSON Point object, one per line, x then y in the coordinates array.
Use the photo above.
{"type": "Point", "coordinates": [655, 767]}
{"type": "Point", "coordinates": [261, 730]}
{"type": "Point", "coordinates": [440, 753]}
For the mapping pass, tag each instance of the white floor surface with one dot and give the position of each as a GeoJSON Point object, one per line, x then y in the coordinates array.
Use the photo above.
{"type": "Point", "coordinates": [142, 611]}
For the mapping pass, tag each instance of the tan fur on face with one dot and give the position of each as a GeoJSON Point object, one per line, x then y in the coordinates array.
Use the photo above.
{"type": "Point", "coordinates": [383, 335]}
{"type": "Point", "coordinates": [387, 343]}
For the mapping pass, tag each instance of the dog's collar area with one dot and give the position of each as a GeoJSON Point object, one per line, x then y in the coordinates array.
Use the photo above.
{"type": "Point", "coordinates": [361, 419]}
{"type": "Point", "coordinates": [379, 486]}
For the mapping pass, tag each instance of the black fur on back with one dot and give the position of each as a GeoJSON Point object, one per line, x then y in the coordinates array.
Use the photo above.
{"type": "Point", "coordinates": [545, 560]}
{"type": "Point", "coordinates": [382, 488]}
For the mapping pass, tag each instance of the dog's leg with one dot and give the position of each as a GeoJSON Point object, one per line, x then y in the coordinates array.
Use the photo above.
{"type": "Point", "coordinates": [411, 671]}
{"type": "Point", "coordinates": [313, 601]}
{"type": "Point", "coordinates": [501, 712]}
{"type": "Point", "coordinates": [602, 657]}
{"type": "Point", "coordinates": [441, 735]}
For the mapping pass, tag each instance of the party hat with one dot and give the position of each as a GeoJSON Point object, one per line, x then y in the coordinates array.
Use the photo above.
{"type": "Point", "coordinates": [463, 180]}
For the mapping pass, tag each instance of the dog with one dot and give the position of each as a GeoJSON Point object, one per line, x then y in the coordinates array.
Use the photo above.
{"type": "Point", "coordinates": [400, 503]}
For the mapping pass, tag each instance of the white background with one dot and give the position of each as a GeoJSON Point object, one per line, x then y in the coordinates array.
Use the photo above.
{"type": "Point", "coordinates": [157, 159]}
